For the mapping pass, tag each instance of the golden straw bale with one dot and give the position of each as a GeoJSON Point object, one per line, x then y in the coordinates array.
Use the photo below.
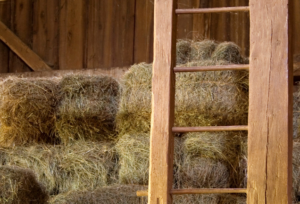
{"type": "Point", "coordinates": [20, 186]}
{"type": "Point", "coordinates": [202, 50]}
{"type": "Point", "coordinates": [202, 98]}
{"type": "Point", "coordinates": [27, 110]}
{"type": "Point", "coordinates": [86, 166]}
{"type": "Point", "coordinates": [134, 150]}
{"type": "Point", "coordinates": [196, 199]}
{"type": "Point", "coordinates": [87, 107]}
{"type": "Point", "coordinates": [116, 194]}
{"type": "Point", "coordinates": [200, 172]}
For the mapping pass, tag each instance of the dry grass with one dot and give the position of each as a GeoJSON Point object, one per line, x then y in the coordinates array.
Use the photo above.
{"type": "Point", "coordinates": [27, 111]}
{"type": "Point", "coordinates": [228, 51]}
{"type": "Point", "coordinates": [19, 186]}
{"type": "Point", "coordinates": [296, 114]}
{"type": "Point", "coordinates": [296, 168]}
{"type": "Point", "coordinates": [183, 51]}
{"type": "Point", "coordinates": [202, 98]}
{"type": "Point", "coordinates": [86, 166]}
{"type": "Point", "coordinates": [108, 195]}
{"type": "Point", "coordinates": [196, 199]}
{"type": "Point", "coordinates": [87, 107]}
{"type": "Point", "coordinates": [199, 172]}
{"type": "Point", "coordinates": [80, 166]}
{"type": "Point", "coordinates": [202, 50]}
{"type": "Point", "coordinates": [134, 150]}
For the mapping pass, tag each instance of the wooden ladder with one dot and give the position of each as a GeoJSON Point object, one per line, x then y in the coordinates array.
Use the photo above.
{"type": "Point", "coordinates": [270, 103]}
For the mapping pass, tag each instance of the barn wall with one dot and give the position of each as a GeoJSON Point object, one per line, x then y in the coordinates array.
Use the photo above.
{"type": "Point", "coordinates": [80, 34]}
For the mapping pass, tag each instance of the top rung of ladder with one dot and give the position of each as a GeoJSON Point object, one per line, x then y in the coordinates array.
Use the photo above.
{"type": "Point", "coordinates": [213, 10]}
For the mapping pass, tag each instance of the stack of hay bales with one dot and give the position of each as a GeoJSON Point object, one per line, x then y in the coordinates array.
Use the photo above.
{"type": "Point", "coordinates": [87, 108]}
{"type": "Point", "coordinates": [27, 111]}
{"type": "Point", "coordinates": [20, 186]}
{"type": "Point", "coordinates": [204, 160]}
{"type": "Point", "coordinates": [68, 128]}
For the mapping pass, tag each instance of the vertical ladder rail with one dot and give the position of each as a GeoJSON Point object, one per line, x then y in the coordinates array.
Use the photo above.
{"type": "Point", "coordinates": [163, 99]}
{"type": "Point", "coordinates": [270, 105]}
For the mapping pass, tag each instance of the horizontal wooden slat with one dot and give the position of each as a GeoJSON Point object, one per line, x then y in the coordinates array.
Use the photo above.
{"type": "Point", "coordinates": [209, 129]}
{"type": "Point", "coordinates": [213, 10]}
{"type": "Point", "coordinates": [212, 68]}
{"type": "Point", "coordinates": [199, 191]}
{"type": "Point", "coordinates": [208, 191]}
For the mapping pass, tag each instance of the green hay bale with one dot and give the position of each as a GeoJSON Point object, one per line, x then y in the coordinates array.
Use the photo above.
{"type": "Point", "coordinates": [27, 111]}
{"type": "Point", "coordinates": [86, 166]}
{"type": "Point", "coordinates": [228, 51]}
{"type": "Point", "coordinates": [108, 195]}
{"type": "Point", "coordinates": [87, 107]}
{"type": "Point", "coordinates": [183, 51]}
{"type": "Point", "coordinates": [20, 186]}
{"type": "Point", "coordinates": [134, 153]}
{"type": "Point", "coordinates": [202, 50]}
{"type": "Point", "coordinates": [202, 98]}
{"type": "Point", "coordinates": [39, 158]}
{"type": "Point", "coordinates": [199, 172]}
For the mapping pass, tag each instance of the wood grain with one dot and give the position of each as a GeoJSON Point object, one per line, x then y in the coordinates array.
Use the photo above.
{"type": "Point", "coordinates": [45, 31]}
{"type": "Point", "coordinates": [21, 49]}
{"type": "Point", "coordinates": [21, 25]}
{"type": "Point", "coordinates": [71, 34]}
{"type": "Point", "coordinates": [209, 129]}
{"type": "Point", "coordinates": [4, 50]}
{"type": "Point", "coordinates": [270, 107]}
{"type": "Point", "coordinates": [163, 97]}
{"type": "Point", "coordinates": [211, 68]}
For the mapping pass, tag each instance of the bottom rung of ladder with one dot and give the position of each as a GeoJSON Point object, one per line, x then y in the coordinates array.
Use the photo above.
{"type": "Point", "coordinates": [199, 191]}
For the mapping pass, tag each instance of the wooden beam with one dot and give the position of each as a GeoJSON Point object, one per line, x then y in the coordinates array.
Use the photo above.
{"type": "Point", "coordinates": [209, 129]}
{"type": "Point", "coordinates": [212, 68]}
{"type": "Point", "coordinates": [21, 49]}
{"type": "Point", "coordinates": [213, 10]}
{"type": "Point", "coordinates": [270, 106]}
{"type": "Point", "coordinates": [163, 98]}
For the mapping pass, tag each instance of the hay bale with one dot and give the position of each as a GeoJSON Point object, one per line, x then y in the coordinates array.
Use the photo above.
{"type": "Point", "coordinates": [39, 158]}
{"type": "Point", "coordinates": [113, 195]}
{"type": "Point", "coordinates": [82, 165]}
{"type": "Point", "coordinates": [134, 114]}
{"type": "Point", "coordinates": [296, 114]}
{"type": "Point", "coordinates": [87, 107]}
{"type": "Point", "coordinates": [27, 111]}
{"type": "Point", "coordinates": [199, 172]}
{"type": "Point", "coordinates": [86, 166]}
{"type": "Point", "coordinates": [228, 51]}
{"type": "Point", "coordinates": [134, 153]}
{"type": "Point", "coordinates": [232, 199]}
{"type": "Point", "coordinates": [296, 169]}
{"type": "Point", "coordinates": [20, 186]}
{"type": "Point", "coordinates": [202, 98]}
{"type": "Point", "coordinates": [213, 145]}
{"type": "Point", "coordinates": [183, 51]}
{"type": "Point", "coordinates": [196, 199]}
{"type": "Point", "coordinates": [202, 50]}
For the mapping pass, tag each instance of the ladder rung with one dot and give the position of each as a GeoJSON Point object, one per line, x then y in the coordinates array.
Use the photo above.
{"type": "Point", "coordinates": [207, 191]}
{"type": "Point", "coordinates": [213, 10]}
{"type": "Point", "coordinates": [209, 129]}
{"type": "Point", "coordinates": [199, 191]}
{"type": "Point", "coordinates": [212, 68]}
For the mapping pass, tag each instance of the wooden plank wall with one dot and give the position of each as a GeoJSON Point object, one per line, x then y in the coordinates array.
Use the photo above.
{"type": "Point", "coordinates": [79, 34]}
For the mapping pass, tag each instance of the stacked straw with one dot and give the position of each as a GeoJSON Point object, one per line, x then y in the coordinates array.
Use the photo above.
{"type": "Point", "coordinates": [202, 98]}
{"type": "Point", "coordinates": [87, 108]}
{"type": "Point", "coordinates": [117, 194]}
{"type": "Point", "coordinates": [27, 111]}
{"type": "Point", "coordinates": [80, 166]}
{"type": "Point", "coordinates": [20, 186]}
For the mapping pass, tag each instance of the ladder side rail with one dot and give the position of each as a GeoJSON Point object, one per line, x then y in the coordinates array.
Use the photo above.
{"type": "Point", "coordinates": [270, 105]}
{"type": "Point", "coordinates": [163, 99]}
